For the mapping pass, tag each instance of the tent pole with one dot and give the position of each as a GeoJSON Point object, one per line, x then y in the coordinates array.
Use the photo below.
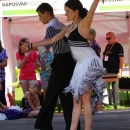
{"type": "Point", "coordinates": [0, 28]}
{"type": "Point", "coordinates": [128, 40]}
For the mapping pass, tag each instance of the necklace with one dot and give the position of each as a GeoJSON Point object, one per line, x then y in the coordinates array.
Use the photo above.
{"type": "Point", "coordinates": [73, 24]}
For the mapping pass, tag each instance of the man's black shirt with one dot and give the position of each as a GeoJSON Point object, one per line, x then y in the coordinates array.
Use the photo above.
{"type": "Point", "coordinates": [114, 52]}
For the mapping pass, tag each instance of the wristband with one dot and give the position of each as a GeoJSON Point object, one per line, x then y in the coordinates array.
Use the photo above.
{"type": "Point", "coordinates": [30, 46]}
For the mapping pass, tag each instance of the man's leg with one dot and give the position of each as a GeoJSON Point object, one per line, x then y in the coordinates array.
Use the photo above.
{"type": "Point", "coordinates": [45, 115]}
{"type": "Point", "coordinates": [67, 99]}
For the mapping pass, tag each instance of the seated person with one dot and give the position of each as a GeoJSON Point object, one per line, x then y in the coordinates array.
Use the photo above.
{"type": "Point", "coordinates": [30, 101]}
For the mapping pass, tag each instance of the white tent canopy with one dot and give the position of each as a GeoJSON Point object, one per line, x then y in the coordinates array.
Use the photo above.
{"type": "Point", "coordinates": [16, 27]}
{"type": "Point", "coordinates": [32, 28]}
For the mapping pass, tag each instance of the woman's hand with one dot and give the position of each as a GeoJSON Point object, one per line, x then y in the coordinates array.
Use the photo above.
{"type": "Point", "coordinates": [24, 48]}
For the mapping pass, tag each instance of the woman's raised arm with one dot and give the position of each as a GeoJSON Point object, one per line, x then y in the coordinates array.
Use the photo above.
{"type": "Point", "coordinates": [85, 24]}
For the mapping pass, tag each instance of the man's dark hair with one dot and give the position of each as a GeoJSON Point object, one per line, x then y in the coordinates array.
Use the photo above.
{"type": "Point", "coordinates": [45, 7]}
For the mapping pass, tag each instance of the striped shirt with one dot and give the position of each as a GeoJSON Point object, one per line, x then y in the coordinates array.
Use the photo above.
{"type": "Point", "coordinates": [54, 27]}
{"type": "Point", "coordinates": [96, 48]}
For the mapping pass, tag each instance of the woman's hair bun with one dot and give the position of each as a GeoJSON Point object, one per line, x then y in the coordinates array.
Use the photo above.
{"type": "Point", "coordinates": [83, 12]}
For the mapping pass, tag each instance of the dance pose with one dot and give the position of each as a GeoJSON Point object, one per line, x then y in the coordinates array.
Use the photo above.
{"type": "Point", "coordinates": [89, 69]}
{"type": "Point", "coordinates": [62, 69]}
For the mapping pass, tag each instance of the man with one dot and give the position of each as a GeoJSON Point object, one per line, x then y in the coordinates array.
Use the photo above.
{"type": "Point", "coordinates": [62, 70]}
{"type": "Point", "coordinates": [113, 56]}
{"type": "Point", "coordinates": [97, 49]}
{"type": "Point", "coordinates": [93, 43]}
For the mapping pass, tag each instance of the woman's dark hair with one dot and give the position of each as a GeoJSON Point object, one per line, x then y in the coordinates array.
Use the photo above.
{"type": "Point", "coordinates": [20, 43]}
{"type": "Point", "coordinates": [1, 47]}
{"type": "Point", "coordinates": [45, 7]}
{"type": "Point", "coordinates": [77, 5]}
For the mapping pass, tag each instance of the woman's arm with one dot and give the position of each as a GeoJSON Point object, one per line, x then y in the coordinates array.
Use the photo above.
{"type": "Point", "coordinates": [24, 48]}
{"type": "Point", "coordinates": [84, 25]}
{"type": "Point", "coordinates": [120, 66]}
{"type": "Point", "coordinates": [21, 63]}
{"type": "Point", "coordinates": [4, 63]}
{"type": "Point", "coordinates": [37, 63]}
{"type": "Point", "coordinates": [49, 41]}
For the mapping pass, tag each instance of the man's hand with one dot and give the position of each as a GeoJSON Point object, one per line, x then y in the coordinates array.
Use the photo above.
{"type": "Point", "coordinates": [24, 48]}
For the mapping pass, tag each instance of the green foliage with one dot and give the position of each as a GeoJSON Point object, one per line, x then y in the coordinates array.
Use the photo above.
{"type": "Point", "coordinates": [37, 72]}
{"type": "Point", "coordinates": [18, 96]}
{"type": "Point", "coordinates": [17, 70]}
{"type": "Point", "coordinates": [125, 65]}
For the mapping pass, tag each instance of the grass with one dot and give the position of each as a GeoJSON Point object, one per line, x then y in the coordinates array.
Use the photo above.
{"type": "Point", "coordinates": [124, 104]}
{"type": "Point", "coordinates": [18, 95]}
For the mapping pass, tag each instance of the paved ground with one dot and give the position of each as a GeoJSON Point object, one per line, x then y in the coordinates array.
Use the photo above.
{"type": "Point", "coordinates": [109, 120]}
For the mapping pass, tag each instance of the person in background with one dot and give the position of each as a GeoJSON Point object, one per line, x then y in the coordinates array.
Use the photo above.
{"type": "Point", "coordinates": [27, 63]}
{"type": "Point", "coordinates": [46, 59]}
{"type": "Point", "coordinates": [3, 64]}
{"type": "Point", "coordinates": [30, 101]}
{"type": "Point", "coordinates": [30, 104]}
{"type": "Point", "coordinates": [113, 58]}
{"type": "Point", "coordinates": [93, 43]}
{"type": "Point", "coordinates": [97, 49]}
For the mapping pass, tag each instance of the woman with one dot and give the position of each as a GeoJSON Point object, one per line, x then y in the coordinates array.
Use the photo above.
{"type": "Point", "coordinates": [3, 64]}
{"type": "Point", "coordinates": [27, 63]}
{"type": "Point", "coordinates": [89, 69]}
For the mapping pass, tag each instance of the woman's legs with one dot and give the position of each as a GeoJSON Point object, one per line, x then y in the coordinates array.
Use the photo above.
{"type": "Point", "coordinates": [33, 113]}
{"type": "Point", "coordinates": [86, 102]}
{"type": "Point", "coordinates": [32, 83]}
{"type": "Point", "coordinates": [76, 114]}
{"type": "Point", "coordinates": [99, 107]}
{"type": "Point", "coordinates": [25, 86]}
{"type": "Point", "coordinates": [45, 80]}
